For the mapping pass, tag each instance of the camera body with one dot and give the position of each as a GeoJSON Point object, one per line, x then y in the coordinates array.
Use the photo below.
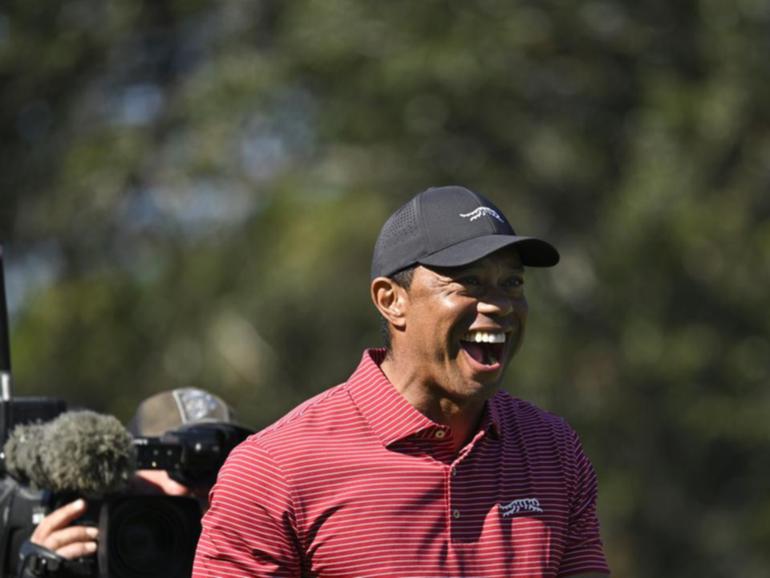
{"type": "Point", "coordinates": [191, 454]}
{"type": "Point", "coordinates": [139, 535]}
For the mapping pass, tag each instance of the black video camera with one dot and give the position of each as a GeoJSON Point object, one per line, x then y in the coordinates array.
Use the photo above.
{"type": "Point", "coordinates": [140, 535]}
{"type": "Point", "coordinates": [191, 454]}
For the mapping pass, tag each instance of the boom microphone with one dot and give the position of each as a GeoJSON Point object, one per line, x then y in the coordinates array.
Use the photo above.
{"type": "Point", "coordinates": [5, 347]}
{"type": "Point", "coordinates": [81, 452]}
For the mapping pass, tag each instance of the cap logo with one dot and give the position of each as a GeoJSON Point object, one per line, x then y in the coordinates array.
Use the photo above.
{"type": "Point", "coordinates": [195, 404]}
{"type": "Point", "coordinates": [480, 212]}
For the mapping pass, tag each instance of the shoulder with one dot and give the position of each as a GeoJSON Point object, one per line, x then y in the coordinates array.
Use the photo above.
{"type": "Point", "coordinates": [517, 413]}
{"type": "Point", "coordinates": [326, 404]}
{"type": "Point", "coordinates": [546, 437]}
{"type": "Point", "coordinates": [304, 427]}
{"type": "Point", "coordinates": [524, 424]}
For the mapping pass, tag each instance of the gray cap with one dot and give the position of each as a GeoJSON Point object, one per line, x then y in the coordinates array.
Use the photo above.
{"type": "Point", "coordinates": [169, 410]}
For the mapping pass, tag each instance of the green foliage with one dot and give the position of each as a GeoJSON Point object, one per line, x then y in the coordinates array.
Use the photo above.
{"type": "Point", "coordinates": [199, 185]}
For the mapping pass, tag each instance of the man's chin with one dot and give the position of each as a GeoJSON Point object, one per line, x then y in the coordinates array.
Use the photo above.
{"type": "Point", "coordinates": [481, 379]}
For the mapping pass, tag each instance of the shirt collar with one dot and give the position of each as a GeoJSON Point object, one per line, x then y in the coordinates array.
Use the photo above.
{"type": "Point", "coordinates": [388, 412]}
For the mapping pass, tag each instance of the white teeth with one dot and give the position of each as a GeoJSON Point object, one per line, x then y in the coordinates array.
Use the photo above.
{"type": "Point", "coordinates": [484, 337]}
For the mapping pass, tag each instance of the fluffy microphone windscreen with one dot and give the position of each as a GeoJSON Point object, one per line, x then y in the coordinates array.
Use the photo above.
{"type": "Point", "coordinates": [21, 452]}
{"type": "Point", "coordinates": [81, 451]}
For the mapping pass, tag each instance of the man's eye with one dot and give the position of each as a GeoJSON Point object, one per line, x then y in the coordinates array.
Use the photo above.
{"type": "Point", "coordinates": [513, 282]}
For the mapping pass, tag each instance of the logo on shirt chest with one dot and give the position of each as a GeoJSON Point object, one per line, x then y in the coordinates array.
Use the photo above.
{"type": "Point", "coordinates": [520, 506]}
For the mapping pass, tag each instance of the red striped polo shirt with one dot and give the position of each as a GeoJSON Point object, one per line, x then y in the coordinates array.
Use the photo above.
{"type": "Point", "coordinates": [356, 482]}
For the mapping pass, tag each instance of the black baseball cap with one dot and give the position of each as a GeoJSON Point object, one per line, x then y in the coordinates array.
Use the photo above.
{"type": "Point", "coordinates": [450, 227]}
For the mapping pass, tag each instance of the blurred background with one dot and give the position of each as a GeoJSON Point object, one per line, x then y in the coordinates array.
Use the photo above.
{"type": "Point", "coordinates": [190, 193]}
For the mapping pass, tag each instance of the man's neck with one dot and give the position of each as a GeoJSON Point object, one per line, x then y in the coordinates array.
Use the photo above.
{"type": "Point", "coordinates": [462, 417]}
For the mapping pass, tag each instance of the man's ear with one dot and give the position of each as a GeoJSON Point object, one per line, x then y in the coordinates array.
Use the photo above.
{"type": "Point", "coordinates": [390, 299]}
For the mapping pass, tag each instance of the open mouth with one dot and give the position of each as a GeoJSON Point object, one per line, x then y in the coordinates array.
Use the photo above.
{"type": "Point", "coordinates": [485, 347]}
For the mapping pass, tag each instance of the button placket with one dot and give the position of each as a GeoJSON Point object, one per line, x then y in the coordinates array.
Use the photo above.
{"type": "Point", "coordinates": [459, 516]}
{"type": "Point", "coordinates": [455, 514]}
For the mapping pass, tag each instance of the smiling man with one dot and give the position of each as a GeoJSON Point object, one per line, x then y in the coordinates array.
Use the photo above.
{"type": "Point", "coordinates": [419, 465]}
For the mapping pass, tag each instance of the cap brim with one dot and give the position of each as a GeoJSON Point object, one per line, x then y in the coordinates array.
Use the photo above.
{"type": "Point", "coordinates": [533, 252]}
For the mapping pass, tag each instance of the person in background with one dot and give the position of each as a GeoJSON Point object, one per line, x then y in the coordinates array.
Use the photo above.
{"type": "Point", "coordinates": [58, 535]}
{"type": "Point", "coordinates": [419, 464]}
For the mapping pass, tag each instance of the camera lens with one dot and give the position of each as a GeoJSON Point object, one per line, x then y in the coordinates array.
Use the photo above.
{"type": "Point", "coordinates": [148, 536]}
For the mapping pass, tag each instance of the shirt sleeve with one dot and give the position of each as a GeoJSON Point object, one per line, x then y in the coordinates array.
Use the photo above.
{"type": "Point", "coordinates": [249, 529]}
{"type": "Point", "coordinates": [583, 552]}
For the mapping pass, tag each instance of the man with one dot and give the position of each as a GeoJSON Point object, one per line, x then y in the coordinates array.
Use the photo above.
{"type": "Point", "coordinates": [58, 534]}
{"type": "Point", "coordinates": [418, 465]}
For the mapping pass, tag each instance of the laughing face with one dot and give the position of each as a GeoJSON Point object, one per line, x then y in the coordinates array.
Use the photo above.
{"type": "Point", "coordinates": [462, 325]}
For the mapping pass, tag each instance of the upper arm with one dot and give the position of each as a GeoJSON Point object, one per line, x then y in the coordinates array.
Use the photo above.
{"type": "Point", "coordinates": [583, 549]}
{"type": "Point", "coordinates": [249, 529]}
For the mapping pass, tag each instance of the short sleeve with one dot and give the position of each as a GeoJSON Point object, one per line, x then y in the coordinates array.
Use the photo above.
{"type": "Point", "coordinates": [249, 529]}
{"type": "Point", "coordinates": [583, 552]}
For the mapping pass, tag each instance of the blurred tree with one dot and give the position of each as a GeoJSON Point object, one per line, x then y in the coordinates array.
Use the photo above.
{"type": "Point", "coordinates": [191, 191]}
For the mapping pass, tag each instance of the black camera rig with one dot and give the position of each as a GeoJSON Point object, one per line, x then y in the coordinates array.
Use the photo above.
{"type": "Point", "coordinates": [147, 536]}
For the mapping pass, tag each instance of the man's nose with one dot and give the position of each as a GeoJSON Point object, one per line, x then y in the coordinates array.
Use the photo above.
{"type": "Point", "coordinates": [496, 303]}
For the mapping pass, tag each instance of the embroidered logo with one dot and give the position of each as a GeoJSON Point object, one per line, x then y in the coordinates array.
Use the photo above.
{"type": "Point", "coordinates": [522, 505]}
{"type": "Point", "coordinates": [480, 212]}
{"type": "Point", "coordinates": [196, 405]}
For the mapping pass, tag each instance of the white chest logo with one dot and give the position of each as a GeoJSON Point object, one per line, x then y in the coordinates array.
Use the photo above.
{"type": "Point", "coordinates": [481, 211]}
{"type": "Point", "coordinates": [522, 505]}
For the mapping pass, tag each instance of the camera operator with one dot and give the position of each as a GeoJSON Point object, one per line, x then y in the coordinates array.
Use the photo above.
{"type": "Point", "coordinates": [58, 536]}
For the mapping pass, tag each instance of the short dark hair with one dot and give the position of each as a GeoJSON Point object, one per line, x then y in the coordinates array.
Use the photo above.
{"type": "Point", "coordinates": [402, 278]}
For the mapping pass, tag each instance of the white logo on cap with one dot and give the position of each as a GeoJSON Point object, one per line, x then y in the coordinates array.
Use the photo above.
{"type": "Point", "coordinates": [480, 212]}
{"type": "Point", "coordinates": [195, 404]}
